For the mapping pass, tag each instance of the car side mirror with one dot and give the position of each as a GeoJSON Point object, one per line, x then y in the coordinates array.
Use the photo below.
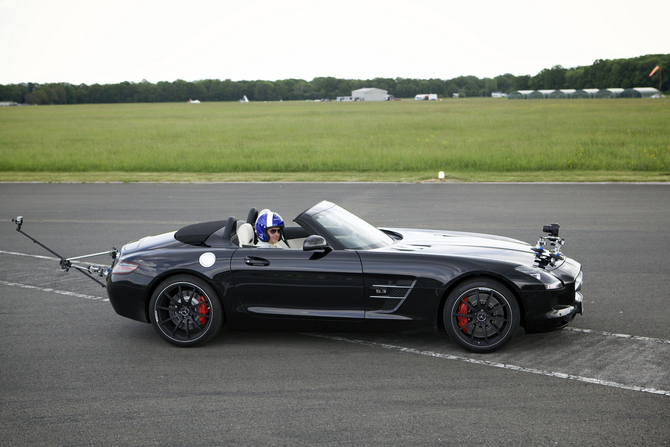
{"type": "Point", "coordinates": [315, 242]}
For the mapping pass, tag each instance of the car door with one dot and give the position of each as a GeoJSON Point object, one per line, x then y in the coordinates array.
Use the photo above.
{"type": "Point", "coordinates": [294, 283]}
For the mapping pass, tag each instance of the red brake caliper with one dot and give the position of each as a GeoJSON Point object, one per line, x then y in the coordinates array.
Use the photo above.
{"type": "Point", "coordinates": [462, 321]}
{"type": "Point", "coordinates": [202, 309]}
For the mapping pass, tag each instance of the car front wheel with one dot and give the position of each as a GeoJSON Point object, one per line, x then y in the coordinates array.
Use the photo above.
{"type": "Point", "coordinates": [186, 311]}
{"type": "Point", "coordinates": [481, 315]}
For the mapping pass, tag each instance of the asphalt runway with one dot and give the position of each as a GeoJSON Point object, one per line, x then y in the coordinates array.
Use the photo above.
{"type": "Point", "coordinates": [75, 373]}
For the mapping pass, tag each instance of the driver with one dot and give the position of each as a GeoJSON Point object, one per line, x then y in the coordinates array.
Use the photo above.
{"type": "Point", "coordinates": [269, 228]}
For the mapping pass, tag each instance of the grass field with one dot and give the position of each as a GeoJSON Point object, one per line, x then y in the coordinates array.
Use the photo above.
{"type": "Point", "coordinates": [471, 140]}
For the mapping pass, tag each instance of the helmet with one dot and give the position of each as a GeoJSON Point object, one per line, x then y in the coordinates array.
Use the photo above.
{"type": "Point", "coordinates": [265, 221]}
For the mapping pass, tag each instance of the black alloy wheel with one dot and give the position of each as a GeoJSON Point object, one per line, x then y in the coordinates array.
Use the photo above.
{"type": "Point", "coordinates": [186, 311]}
{"type": "Point", "coordinates": [481, 315]}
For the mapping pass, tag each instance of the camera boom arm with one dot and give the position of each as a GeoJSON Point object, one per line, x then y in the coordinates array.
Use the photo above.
{"type": "Point", "coordinates": [66, 263]}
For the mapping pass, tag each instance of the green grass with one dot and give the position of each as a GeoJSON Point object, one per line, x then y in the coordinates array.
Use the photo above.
{"type": "Point", "coordinates": [471, 140]}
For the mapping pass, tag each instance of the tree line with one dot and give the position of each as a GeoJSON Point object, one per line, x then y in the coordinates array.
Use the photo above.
{"type": "Point", "coordinates": [623, 73]}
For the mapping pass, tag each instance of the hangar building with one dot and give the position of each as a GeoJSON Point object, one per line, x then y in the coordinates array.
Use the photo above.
{"type": "Point", "coordinates": [639, 92]}
{"type": "Point", "coordinates": [636, 92]}
{"type": "Point", "coordinates": [369, 94]}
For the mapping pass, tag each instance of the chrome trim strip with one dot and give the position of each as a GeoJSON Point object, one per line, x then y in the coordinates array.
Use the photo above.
{"type": "Point", "coordinates": [356, 314]}
{"type": "Point", "coordinates": [400, 299]}
{"type": "Point", "coordinates": [383, 315]}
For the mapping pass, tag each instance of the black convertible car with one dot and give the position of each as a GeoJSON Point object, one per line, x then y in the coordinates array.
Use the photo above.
{"type": "Point", "coordinates": [337, 272]}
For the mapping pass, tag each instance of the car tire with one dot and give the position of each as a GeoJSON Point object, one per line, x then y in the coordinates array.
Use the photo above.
{"type": "Point", "coordinates": [481, 315]}
{"type": "Point", "coordinates": [186, 311]}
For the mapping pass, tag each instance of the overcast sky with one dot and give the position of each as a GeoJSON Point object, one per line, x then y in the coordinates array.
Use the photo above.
{"type": "Point", "coordinates": [110, 41]}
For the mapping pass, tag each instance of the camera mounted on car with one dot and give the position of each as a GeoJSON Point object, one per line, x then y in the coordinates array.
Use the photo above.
{"type": "Point", "coordinates": [548, 248]}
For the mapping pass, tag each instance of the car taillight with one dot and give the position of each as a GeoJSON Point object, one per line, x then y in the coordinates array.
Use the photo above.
{"type": "Point", "coordinates": [124, 267]}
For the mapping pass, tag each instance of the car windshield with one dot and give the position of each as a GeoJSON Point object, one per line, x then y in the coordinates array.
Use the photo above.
{"type": "Point", "coordinates": [351, 231]}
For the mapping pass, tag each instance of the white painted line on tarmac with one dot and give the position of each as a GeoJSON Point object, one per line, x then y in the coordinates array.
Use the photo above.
{"type": "Point", "coordinates": [48, 258]}
{"type": "Point", "coordinates": [60, 292]}
{"type": "Point", "coordinates": [497, 365]}
{"type": "Point", "coordinates": [614, 334]}
{"type": "Point", "coordinates": [30, 256]}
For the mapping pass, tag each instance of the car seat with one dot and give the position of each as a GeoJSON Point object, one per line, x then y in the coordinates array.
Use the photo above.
{"type": "Point", "coordinates": [245, 235]}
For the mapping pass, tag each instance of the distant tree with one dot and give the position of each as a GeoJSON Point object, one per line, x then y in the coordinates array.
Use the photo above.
{"type": "Point", "coordinates": [51, 94]}
{"type": "Point", "coordinates": [474, 87]}
{"type": "Point", "coordinates": [226, 90]}
{"type": "Point", "coordinates": [13, 92]}
{"type": "Point", "coordinates": [325, 87]}
{"type": "Point", "coordinates": [264, 91]}
{"type": "Point", "coordinates": [632, 72]}
{"type": "Point", "coordinates": [96, 94]}
{"type": "Point", "coordinates": [504, 82]}
{"type": "Point", "coordinates": [345, 88]}
{"type": "Point", "coordinates": [406, 88]}
{"type": "Point", "coordinates": [451, 89]}
{"type": "Point", "coordinates": [574, 78]}
{"type": "Point", "coordinates": [302, 90]}
{"type": "Point", "coordinates": [490, 86]}
{"type": "Point", "coordinates": [553, 78]}
{"type": "Point", "coordinates": [146, 92]}
{"type": "Point", "coordinates": [469, 86]}
{"type": "Point", "coordinates": [206, 84]}
{"type": "Point", "coordinates": [436, 86]}
{"type": "Point", "coordinates": [60, 92]}
{"type": "Point", "coordinates": [520, 83]}
{"type": "Point", "coordinates": [37, 97]}
{"type": "Point", "coordinates": [387, 84]}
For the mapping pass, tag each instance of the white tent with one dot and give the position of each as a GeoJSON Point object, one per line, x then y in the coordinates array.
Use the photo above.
{"type": "Point", "coordinates": [639, 92]}
{"type": "Point", "coordinates": [608, 93]}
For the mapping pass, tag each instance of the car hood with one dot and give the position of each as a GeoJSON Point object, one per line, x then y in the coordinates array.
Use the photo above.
{"type": "Point", "coordinates": [462, 244]}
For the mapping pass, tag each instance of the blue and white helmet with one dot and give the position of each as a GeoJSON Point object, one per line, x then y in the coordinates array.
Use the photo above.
{"type": "Point", "coordinates": [265, 221]}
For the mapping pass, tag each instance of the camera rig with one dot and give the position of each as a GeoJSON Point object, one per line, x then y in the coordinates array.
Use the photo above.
{"type": "Point", "coordinates": [66, 263]}
{"type": "Point", "coordinates": [548, 248]}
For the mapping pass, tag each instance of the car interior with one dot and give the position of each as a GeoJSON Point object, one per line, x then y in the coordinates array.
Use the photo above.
{"type": "Point", "coordinates": [245, 235]}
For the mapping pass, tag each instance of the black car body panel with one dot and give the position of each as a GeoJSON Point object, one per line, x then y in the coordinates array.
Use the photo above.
{"type": "Point", "coordinates": [397, 279]}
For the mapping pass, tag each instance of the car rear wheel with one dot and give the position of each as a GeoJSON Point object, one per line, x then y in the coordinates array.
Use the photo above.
{"type": "Point", "coordinates": [481, 315]}
{"type": "Point", "coordinates": [186, 311]}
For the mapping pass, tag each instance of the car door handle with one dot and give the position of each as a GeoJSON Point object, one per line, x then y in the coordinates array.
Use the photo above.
{"type": "Point", "coordinates": [252, 260]}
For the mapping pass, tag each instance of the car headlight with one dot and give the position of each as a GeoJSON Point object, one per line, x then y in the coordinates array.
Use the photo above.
{"type": "Point", "coordinates": [549, 280]}
{"type": "Point", "coordinates": [579, 280]}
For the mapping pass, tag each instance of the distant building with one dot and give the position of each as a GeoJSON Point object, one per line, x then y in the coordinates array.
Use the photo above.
{"type": "Point", "coordinates": [426, 97]}
{"type": "Point", "coordinates": [369, 94]}
{"type": "Point", "coordinates": [567, 93]}
{"type": "Point", "coordinates": [540, 94]}
{"type": "Point", "coordinates": [585, 93]}
{"type": "Point", "coordinates": [640, 92]}
{"type": "Point", "coordinates": [608, 93]}
{"type": "Point", "coordinates": [519, 94]}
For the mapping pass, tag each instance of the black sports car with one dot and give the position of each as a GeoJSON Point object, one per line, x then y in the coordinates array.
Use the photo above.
{"type": "Point", "coordinates": [337, 272]}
